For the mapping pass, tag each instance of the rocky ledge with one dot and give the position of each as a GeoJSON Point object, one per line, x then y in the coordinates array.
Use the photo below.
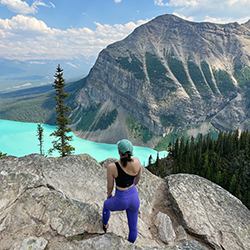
{"type": "Point", "coordinates": [56, 203]}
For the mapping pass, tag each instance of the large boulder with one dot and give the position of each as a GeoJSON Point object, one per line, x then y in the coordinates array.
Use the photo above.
{"type": "Point", "coordinates": [209, 212]}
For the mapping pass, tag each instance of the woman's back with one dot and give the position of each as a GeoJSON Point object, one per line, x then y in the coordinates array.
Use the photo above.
{"type": "Point", "coordinates": [132, 168]}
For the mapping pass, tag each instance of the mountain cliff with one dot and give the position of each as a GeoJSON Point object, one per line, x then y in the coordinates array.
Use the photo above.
{"type": "Point", "coordinates": [168, 75]}
{"type": "Point", "coordinates": [56, 203]}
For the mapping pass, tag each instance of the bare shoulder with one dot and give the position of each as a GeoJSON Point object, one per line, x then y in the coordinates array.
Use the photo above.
{"type": "Point", "coordinates": [137, 162]}
{"type": "Point", "coordinates": [111, 167]}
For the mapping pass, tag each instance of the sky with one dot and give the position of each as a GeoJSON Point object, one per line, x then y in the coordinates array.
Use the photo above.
{"type": "Point", "coordinates": [68, 29]}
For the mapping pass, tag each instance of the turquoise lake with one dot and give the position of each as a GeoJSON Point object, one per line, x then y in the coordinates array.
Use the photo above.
{"type": "Point", "coordinates": [20, 139]}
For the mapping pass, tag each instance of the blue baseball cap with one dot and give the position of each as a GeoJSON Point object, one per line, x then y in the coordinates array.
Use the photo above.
{"type": "Point", "coordinates": [124, 146]}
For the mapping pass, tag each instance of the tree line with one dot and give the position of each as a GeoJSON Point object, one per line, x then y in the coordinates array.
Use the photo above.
{"type": "Point", "coordinates": [225, 161]}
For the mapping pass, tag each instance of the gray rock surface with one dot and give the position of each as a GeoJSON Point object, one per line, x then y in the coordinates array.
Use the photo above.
{"type": "Point", "coordinates": [31, 243]}
{"type": "Point", "coordinates": [210, 212]}
{"type": "Point", "coordinates": [111, 241]}
{"type": "Point", "coordinates": [56, 203]}
{"type": "Point", "coordinates": [165, 227]}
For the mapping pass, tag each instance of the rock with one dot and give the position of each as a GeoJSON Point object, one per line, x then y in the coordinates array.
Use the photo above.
{"type": "Point", "coordinates": [166, 231]}
{"type": "Point", "coordinates": [181, 234]}
{"type": "Point", "coordinates": [77, 183]}
{"type": "Point", "coordinates": [210, 212]}
{"type": "Point", "coordinates": [108, 161]}
{"type": "Point", "coordinates": [31, 243]}
{"type": "Point", "coordinates": [191, 245]}
{"type": "Point", "coordinates": [56, 203]}
{"type": "Point", "coordinates": [111, 241]}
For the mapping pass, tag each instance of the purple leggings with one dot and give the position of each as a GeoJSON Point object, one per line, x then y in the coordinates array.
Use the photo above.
{"type": "Point", "coordinates": [124, 200]}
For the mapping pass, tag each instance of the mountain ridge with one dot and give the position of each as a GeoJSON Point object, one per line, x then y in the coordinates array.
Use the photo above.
{"type": "Point", "coordinates": [169, 76]}
{"type": "Point", "coordinates": [172, 86]}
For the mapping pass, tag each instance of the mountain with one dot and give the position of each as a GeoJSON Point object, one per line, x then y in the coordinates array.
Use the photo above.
{"type": "Point", "coordinates": [169, 76]}
{"type": "Point", "coordinates": [16, 74]}
{"type": "Point", "coordinates": [56, 203]}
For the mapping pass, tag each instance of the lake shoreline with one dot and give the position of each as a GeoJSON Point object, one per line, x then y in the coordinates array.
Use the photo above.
{"type": "Point", "coordinates": [20, 139]}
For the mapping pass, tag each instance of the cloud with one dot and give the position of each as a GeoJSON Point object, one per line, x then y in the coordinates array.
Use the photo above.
{"type": "Point", "coordinates": [21, 7]}
{"type": "Point", "coordinates": [37, 62]}
{"type": "Point", "coordinates": [223, 11]}
{"type": "Point", "coordinates": [183, 3]}
{"type": "Point", "coordinates": [183, 17]}
{"type": "Point", "coordinates": [52, 4]}
{"type": "Point", "coordinates": [118, 1]}
{"type": "Point", "coordinates": [72, 65]}
{"type": "Point", "coordinates": [25, 37]}
{"type": "Point", "coordinates": [24, 85]}
{"type": "Point", "coordinates": [21, 26]}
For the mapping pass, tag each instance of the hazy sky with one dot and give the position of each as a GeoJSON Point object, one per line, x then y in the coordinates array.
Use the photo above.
{"type": "Point", "coordinates": [65, 29]}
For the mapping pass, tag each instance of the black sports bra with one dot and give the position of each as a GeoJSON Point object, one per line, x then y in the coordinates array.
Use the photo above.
{"type": "Point", "coordinates": [123, 179]}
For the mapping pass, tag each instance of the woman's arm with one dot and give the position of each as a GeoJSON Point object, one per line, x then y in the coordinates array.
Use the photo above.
{"type": "Point", "coordinates": [110, 180]}
{"type": "Point", "coordinates": [138, 176]}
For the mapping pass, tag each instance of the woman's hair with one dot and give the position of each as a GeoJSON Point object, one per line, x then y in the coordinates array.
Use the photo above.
{"type": "Point", "coordinates": [125, 158]}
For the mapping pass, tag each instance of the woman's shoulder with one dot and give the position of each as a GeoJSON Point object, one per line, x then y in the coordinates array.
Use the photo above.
{"type": "Point", "coordinates": [136, 160]}
{"type": "Point", "coordinates": [111, 166]}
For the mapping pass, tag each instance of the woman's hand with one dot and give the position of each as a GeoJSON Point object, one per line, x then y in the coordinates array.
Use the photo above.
{"type": "Point", "coordinates": [109, 195]}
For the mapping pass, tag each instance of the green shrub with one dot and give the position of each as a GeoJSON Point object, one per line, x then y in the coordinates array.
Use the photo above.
{"type": "Point", "coordinates": [207, 73]}
{"type": "Point", "coordinates": [138, 130]}
{"type": "Point", "coordinates": [180, 74]}
{"type": "Point", "coordinates": [242, 74]}
{"type": "Point", "coordinates": [157, 71]}
{"type": "Point", "coordinates": [224, 81]}
{"type": "Point", "coordinates": [105, 120]}
{"type": "Point", "coordinates": [198, 79]}
{"type": "Point", "coordinates": [132, 64]}
{"type": "Point", "coordinates": [170, 120]}
{"type": "Point", "coordinates": [88, 116]}
{"type": "Point", "coordinates": [1, 154]}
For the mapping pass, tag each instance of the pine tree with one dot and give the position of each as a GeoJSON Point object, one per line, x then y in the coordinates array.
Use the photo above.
{"type": "Point", "coordinates": [40, 137]}
{"type": "Point", "coordinates": [233, 185]}
{"type": "Point", "coordinates": [150, 160]}
{"type": "Point", "coordinates": [157, 164]}
{"type": "Point", "coordinates": [218, 178]}
{"type": "Point", "coordinates": [62, 121]}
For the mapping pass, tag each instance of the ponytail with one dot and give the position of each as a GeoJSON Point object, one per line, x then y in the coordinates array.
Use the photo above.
{"type": "Point", "coordinates": [125, 158]}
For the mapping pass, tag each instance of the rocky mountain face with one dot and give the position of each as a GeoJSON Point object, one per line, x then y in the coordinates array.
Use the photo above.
{"type": "Point", "coordinates": [56, 203]}
{"type": "Point", "coordinates": [168, 75]}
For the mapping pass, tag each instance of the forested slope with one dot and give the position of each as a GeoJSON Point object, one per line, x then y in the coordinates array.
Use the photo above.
{"type": "Point", "coordinates": [225, 161]}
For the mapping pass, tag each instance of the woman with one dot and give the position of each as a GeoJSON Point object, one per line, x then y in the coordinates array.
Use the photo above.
{"type": "Point", "coordinates": [127, 173]}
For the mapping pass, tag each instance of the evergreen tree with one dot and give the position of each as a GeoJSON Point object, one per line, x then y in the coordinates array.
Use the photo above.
{"type": "Point", "coordinates": [169, 149]}
{"type": "Point", "coordinates": [40, 137]}
{"type": "Point", "coordinates": [157, 166]}
{"type": "Point", "coordinates": [62, 143]}
{"type": "Point", "coordinates": [150, 160]}
{"type": "Point", "coordinates": [233, 185]}
{"type": "Point", "coordinates": [218, 178]}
